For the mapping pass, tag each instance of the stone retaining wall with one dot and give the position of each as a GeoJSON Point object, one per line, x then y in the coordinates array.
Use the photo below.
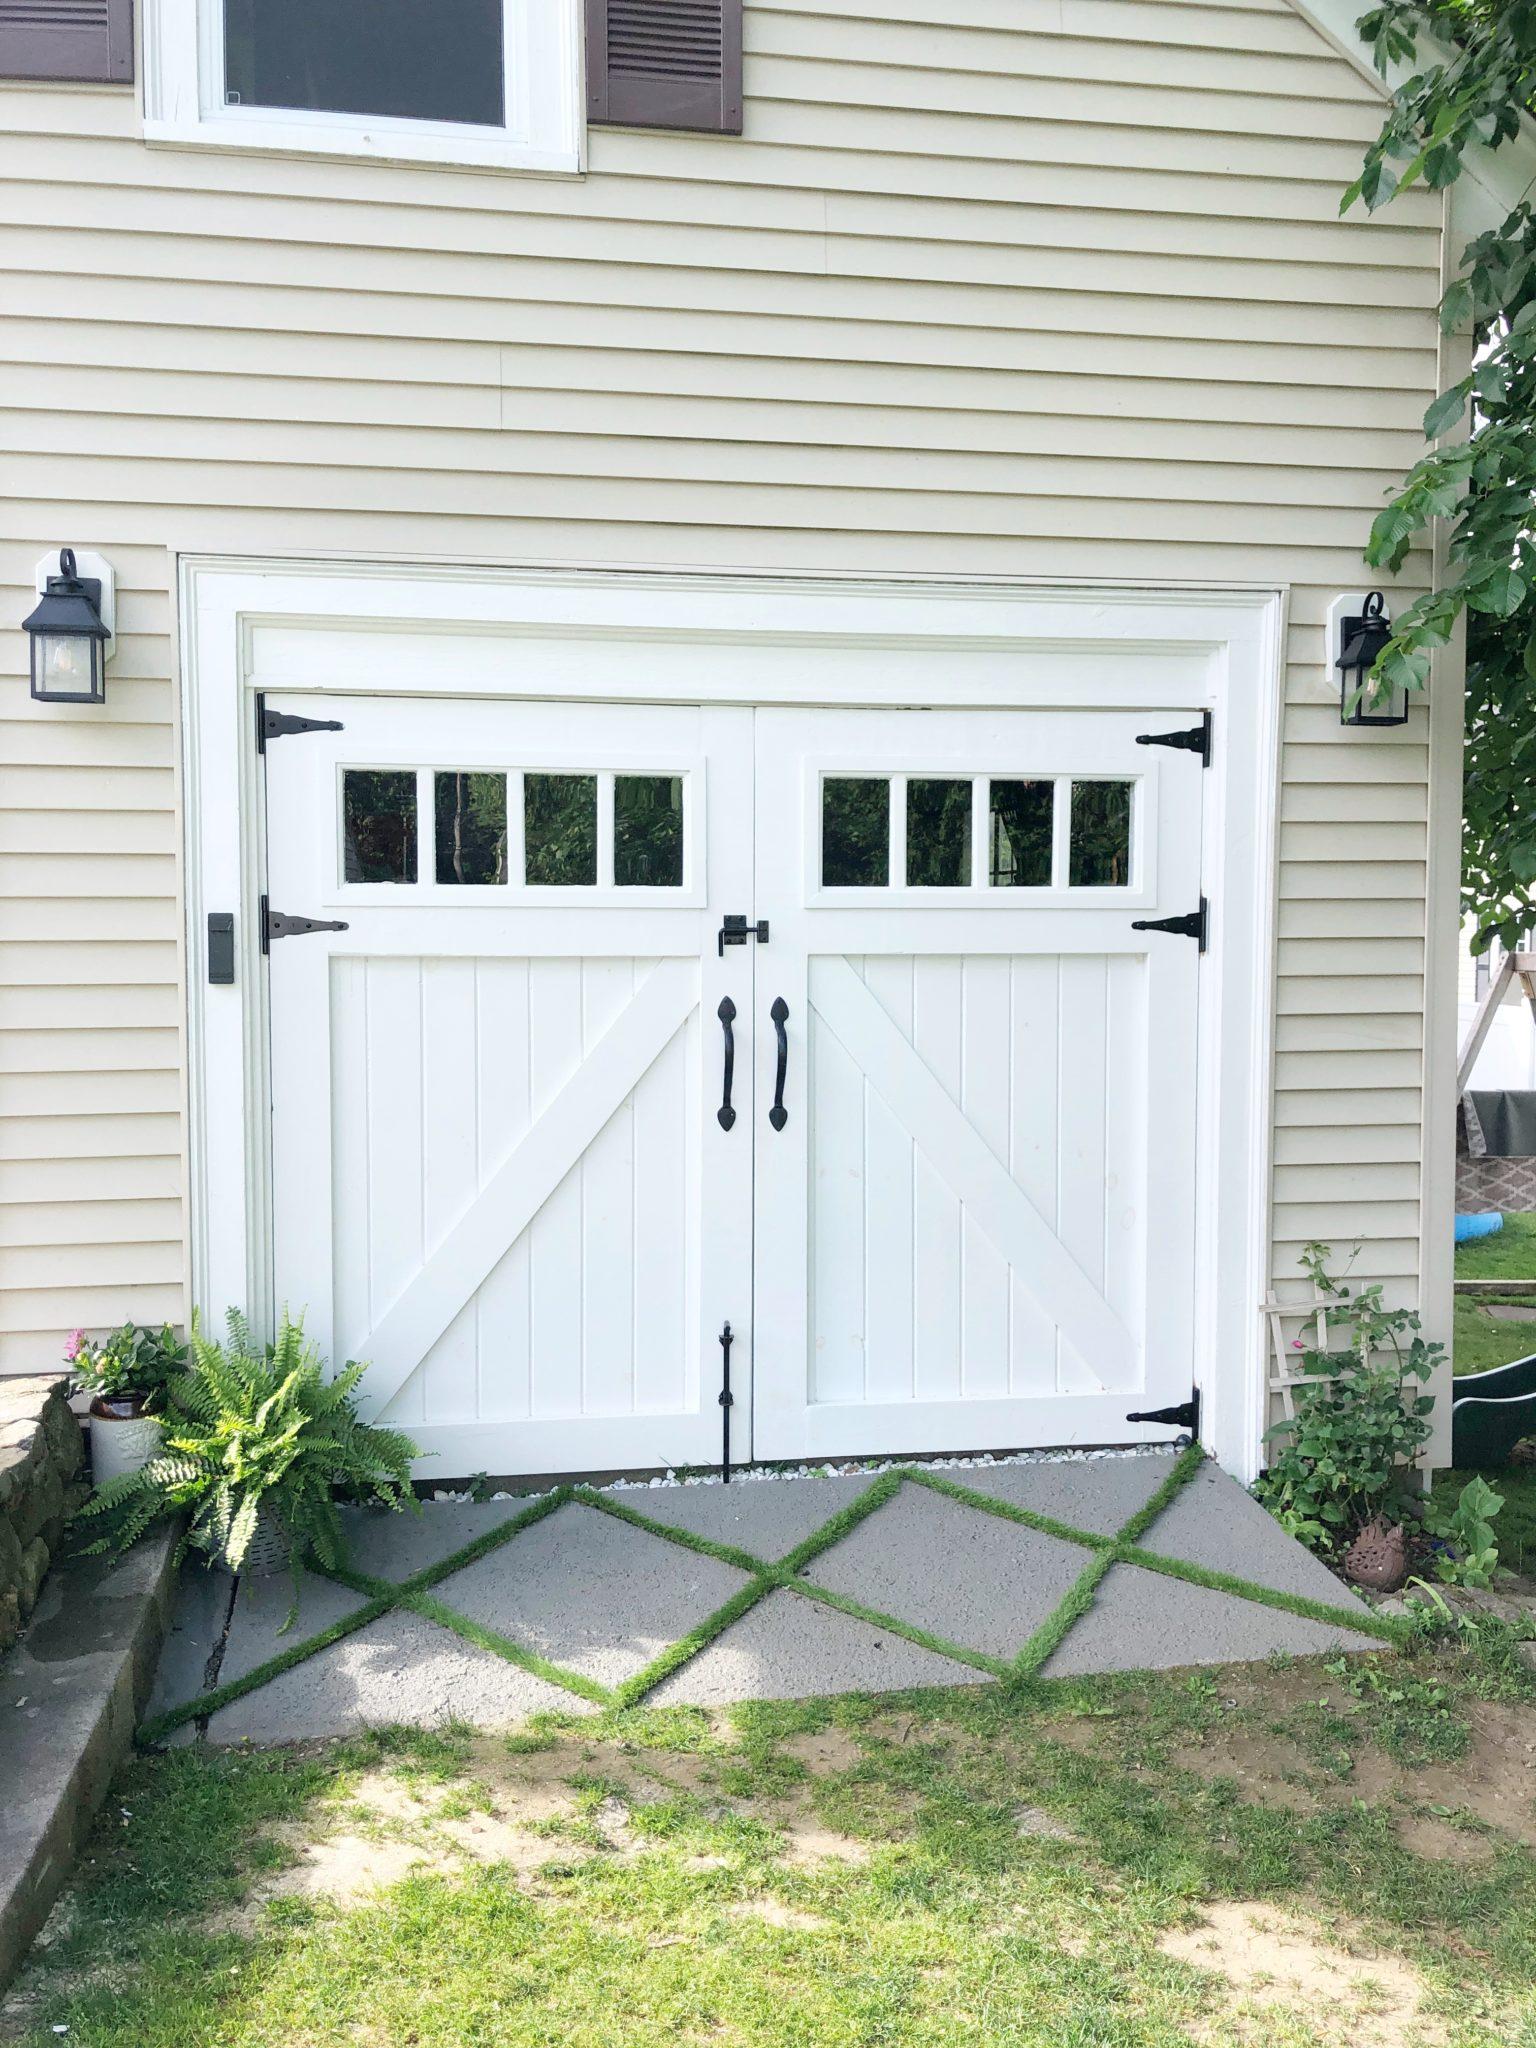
{"type": "Point", "coordinates": [40, 1487]}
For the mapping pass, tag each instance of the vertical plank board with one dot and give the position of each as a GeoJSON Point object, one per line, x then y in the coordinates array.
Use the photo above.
{"type": "Point", "coordinates": [554, 1005]}
{"type": "Point", "coordinates": [836, 1216]}
{"type": "Point", "coordinates": [1080, 1218]}
{"type": "Point", "coordinates": [661, 1164]}
{"type": "Point", "coordinates": [349, 1148]}
{"type": "Point", "coordinates": [986, 1003]}
{"type": "Point", "coordinates": [888, 1220]}
{"type": "Point", "coordinates": [607, 1216]}
{"type": "Point", "coordinates": [450, 1167]}
{"type": "Point", "coordinates": [505, 1108]}
{"type": "Point", "coordinates": [1034, 1108]}
{"type": "Point", "coordinates": [1127, 1192]}
{"type": "Point", "coordinates": [937, 1224]}
{"type": "Point", "coordinates": [395, 1218]}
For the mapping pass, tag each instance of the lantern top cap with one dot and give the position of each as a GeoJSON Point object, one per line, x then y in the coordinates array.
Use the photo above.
{"type": "Point", "coordinates": [70, 604]}
{"type": "Point", "coordinates": [1370, 633]}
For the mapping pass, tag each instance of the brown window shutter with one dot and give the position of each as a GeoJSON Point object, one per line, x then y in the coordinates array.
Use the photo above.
{"type": "Point", "coordinates": [84, 41]}
{"type": "Point", "coordinates": [663, 64]}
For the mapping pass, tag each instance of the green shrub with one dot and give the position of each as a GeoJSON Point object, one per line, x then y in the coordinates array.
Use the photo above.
{"type": "Point", "coordinates": [1360, 1421]}
{"type": "Point", "coordinates": [1473, 1555]}
{"type": "Point", "coordinates": [251, 1431]}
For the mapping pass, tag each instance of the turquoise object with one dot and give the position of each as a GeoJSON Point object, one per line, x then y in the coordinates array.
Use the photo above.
{"type": "Point", "coordinates": [1491, 1412]}
{"type": "Point", "coordinates": [1474, 1226]}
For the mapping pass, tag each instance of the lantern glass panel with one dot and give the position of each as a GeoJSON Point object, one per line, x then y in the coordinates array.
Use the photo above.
{"type": "Point", "coordinates": [68, 666]}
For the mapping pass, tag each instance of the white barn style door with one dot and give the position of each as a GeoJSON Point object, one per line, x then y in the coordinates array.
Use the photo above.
{"type": "Point", "coordinates": [975, 1226]}
{"type": "Point", "coordinates": [499, 1170]}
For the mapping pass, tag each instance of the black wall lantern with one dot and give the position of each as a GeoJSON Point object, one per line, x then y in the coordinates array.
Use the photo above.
{"type": "Point", "coordinates": [1362, 636]}
{"type": "Point", "coordinates": [69, 636]}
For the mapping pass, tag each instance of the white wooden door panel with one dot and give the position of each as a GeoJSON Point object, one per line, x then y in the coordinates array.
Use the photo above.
{"type": "Point", "coordinates": [958, 1244]}
{"type": "Point", "coordinates": [499, 1174]}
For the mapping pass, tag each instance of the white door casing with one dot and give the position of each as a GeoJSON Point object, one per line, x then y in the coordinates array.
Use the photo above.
{"type": "Point", "coordinates": [976, 1226]}
{"type": "Point", "coordinates": [349, 630]}
{"type": "Point", "coordinates": [498, 1169]}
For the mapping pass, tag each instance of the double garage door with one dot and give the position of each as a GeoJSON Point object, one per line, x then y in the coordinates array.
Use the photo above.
{"type": "Point", "coordinates": [619, 1024]}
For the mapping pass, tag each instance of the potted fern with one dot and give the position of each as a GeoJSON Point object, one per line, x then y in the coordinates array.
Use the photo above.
{"type": "Point", "coordinates": [126, 1375]}
{"type": "Point", "coordinates": [258, 1444]}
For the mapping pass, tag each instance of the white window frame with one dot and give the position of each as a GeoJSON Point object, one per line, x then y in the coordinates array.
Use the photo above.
{"type": "Point", "coordinates": [255, 624]}
{"type": "Point", "coordinates": [184, 99]}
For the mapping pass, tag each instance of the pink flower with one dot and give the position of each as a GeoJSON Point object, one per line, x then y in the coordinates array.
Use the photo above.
{"type": "Point", "coordinates": [75, 1345]}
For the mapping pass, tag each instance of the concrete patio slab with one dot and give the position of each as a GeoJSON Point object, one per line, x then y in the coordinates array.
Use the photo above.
{"type": "Point", "coordinates": [789, 1648]}
{"type": "Point", "coordinates": [967, 1576]}
{"type": "Point", "coordinates": [386, 1545]}
{"type": "Point", "coordinates": [591, 1592]}
{"type": "Point", "coordinates": [262, 1605]}
{"type": "Point", "coordinates": [1097, 1494]}
{"type": "Point", "coordinates": [399, 1668]}
{"type": "Point", "coordinates": [768, 1518]}
{"type": "Point", "coordinates": [1216, 1523]}
{"type": "Point", "coordinates": [199, 1611]}
{"type": "Point", "coordinates": [1144, 1621]}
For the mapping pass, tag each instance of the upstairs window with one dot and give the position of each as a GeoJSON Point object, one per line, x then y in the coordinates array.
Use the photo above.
{"type": "Point", "coordinates": [492, 83]}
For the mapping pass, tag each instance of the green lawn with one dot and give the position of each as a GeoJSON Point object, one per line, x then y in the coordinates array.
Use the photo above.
{"type": "Point", "coordinates": [1288, 1856]}
{"type": "Point", "coordinates": [1510, 1254]}
{"type": "Point", "coordinates": [1483, 1340]}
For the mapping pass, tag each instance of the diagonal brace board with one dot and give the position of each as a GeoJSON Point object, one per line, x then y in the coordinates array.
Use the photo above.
{"type": "Point", "coordinates": [956, 1149]}
{"type": "Point", "coordinates": [527, 1177]}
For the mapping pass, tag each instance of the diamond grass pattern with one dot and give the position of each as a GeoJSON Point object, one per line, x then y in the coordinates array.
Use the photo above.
{"type": "Point", "coordinates": [609, 1622]}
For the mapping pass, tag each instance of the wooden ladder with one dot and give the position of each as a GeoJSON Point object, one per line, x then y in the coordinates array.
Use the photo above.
{"type": "Point", "coordinates": [1522, 965]}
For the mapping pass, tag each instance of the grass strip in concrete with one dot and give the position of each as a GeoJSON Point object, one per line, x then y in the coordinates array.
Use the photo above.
{"type": "Point", "coordinates": [1185, 1467]}
{"type": "Point", "coordinates": [837, 1526]}
{"type": "Point", "coordinates": [1073, 1605]}
{"type": "Point", "coordinates": [1005, 1510]}
{"type": "Point", "coordinates": [686, 1539]}
{"type": "Point", "coordinates": [924, 1638]}
{"type": "Point", "coordinates": [505, 1647]}
{"type": "Point", "coordinates": [261, 1674]}
{"type": "Point", "coordinates": [671, 1659]}
{"type": "Point", "coordinates": [1362, 1619]}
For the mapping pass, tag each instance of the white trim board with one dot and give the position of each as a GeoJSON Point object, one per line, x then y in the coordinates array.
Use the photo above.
{"type": "Point", "coordinates": [366, 627]}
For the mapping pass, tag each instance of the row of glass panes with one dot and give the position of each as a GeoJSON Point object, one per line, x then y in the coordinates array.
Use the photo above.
{"type": "Point", "coordinates": [488, 826]}
{"type": "Point", "coordinates": [965, 831]}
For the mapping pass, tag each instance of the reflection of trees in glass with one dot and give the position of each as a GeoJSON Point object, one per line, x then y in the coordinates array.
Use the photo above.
{"type": "Point", "coordinates": [855, 831]}
{"type": "Point", "coordinates": [1021, 829]}
{"type": "Point", "coordinates": [471, 821]}
{"type": "Point", "coordinates": [1101, 835]}
{"type": "Point", "coordinates": [378, 808]}
{"type": "Point", "coordinates": [938, 833]}
{"type": "Point", "coordinates": [648, 830]}
{"type": "Point", "coordinates": [560, 829]}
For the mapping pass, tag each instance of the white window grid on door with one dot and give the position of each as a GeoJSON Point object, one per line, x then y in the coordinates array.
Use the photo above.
{"type": "Point", "coordinates": [515, 891]}
{"type": "Point", "coordinates": [980, 892]}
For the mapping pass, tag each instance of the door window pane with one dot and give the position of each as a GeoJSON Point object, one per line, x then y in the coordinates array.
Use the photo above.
{"type": "Point", "coordinates": [471, 825]}
{"type": "Point", "coordinates": [1021, 819]}
{"type": "Point", "coordinates": [1101, 835]}
{"type": "Point", "coordinates": [413, 60]}
{"type": "Point", "coordinates": [648, 831]}
{"type": "Point", "coordinates": [560, 829]}
{"type": "Point", "coordinates": [938, 833]}
{"type": "Point", "coordinates": [378, 807]}
{"type": "Point", "coordinates": [855, 832]}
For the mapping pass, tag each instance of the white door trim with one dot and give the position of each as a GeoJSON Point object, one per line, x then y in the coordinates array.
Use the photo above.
{"type": "Point", "coordinates": [249, 624]}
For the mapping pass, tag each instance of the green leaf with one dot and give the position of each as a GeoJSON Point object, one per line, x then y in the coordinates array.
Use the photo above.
{"type": "Point", "coordinates": [1446, 410]}
{"type": "Point", "coordinates": [1500, 593]}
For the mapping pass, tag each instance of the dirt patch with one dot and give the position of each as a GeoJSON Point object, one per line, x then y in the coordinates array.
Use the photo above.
{"type": "Point", "coordinates": [1270, 1962]}
{"type": "Point", "coordinates": [1427, 1835]}
{"type": "Point", "coordinates": [1496, 1779]}
{"type": "Point", "coordinates": [824, 1751]}
{"type": "Point", "coordinates": [774, 1912]}
{"type": "Point", "coordinates": [808, 1844]}
{"type": "Point", "coordinates": [1033, 1821]}
{"type": "Point", "coordinates": [1267, 1769]}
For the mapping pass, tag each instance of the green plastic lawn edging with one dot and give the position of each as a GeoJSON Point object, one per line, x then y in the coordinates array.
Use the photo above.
{"type": "Point", "coordinates": [787, 1574]}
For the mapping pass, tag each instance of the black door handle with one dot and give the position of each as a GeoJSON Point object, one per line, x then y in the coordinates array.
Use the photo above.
{"type": "Point", "coordinates": [725, 1115]}
{"type": "Point", "coordinates": [778, 1116]}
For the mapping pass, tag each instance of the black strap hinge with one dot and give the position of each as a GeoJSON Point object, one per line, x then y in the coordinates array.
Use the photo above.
{"type": "Point", "coordinates": [1194, 739]}
{"type": "Point", "coordinates": [1192, 925]}
{"type": "Point", "coordinates": [1185, 1416]}
{"type": "Point", "coordinates": [276, 725]}
{"type": "Point", "coordinates": [276, 924]}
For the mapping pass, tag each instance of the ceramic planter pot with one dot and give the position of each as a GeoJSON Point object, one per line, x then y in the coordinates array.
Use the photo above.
{"type": "Point", "coordinates": [267, 1553]}
{"type": "Point", "coordinates": [123, 1437]}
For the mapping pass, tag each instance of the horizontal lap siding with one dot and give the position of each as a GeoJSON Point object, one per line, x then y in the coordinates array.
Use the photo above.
{"type": "Point", "coordinates": [1019, 287]}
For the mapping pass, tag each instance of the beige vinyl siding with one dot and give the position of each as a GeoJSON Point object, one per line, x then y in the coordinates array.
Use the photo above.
{"type": "Point", "coordinates": [1029, 288]}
